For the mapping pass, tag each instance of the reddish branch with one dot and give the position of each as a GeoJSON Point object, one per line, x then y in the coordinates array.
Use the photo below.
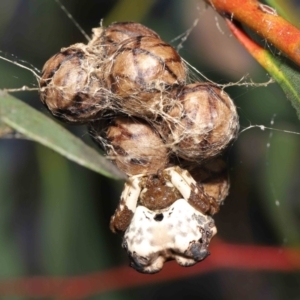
{"type": "Point", "coordinates": [258, 52]}
{"type": "Point", "coordinates": [262, 20]}
{"type": "Point", "coordinates": [223, 256]}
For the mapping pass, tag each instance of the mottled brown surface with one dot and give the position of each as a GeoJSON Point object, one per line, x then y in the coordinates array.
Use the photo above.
{"type": "Point", "coordinates": [142, 72]}
{"type": "Point", "coordinates": [202, 123]}
{"type": "Point", "coordinates": [213, 178]}
{"type": "Point", "coordinates": [157, 194]}
{"type": "Point", "coordinates": [133, 145]}
{"type": "Point", "coordinates": [118, 32]}
{"type": "Point", "coordinates": [203, 202]}
{"type": "Point", "coordinates": [121, 219]}
{"type": "Point", "coordinates": [69, 88]}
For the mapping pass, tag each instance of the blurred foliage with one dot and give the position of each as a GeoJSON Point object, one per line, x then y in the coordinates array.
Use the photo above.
{"type": "Point", "coordinates": [55, 214]}
{"type": "Point", "coordinates": [39, 128]}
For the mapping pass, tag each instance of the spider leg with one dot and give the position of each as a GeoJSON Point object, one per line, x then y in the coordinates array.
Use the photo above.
{"type": "Point", "coordinates": [191, 191]}
{"type": "Point", "coordinates": [214, 206]}
{"type": "Point", "coordinates": [128, 202]}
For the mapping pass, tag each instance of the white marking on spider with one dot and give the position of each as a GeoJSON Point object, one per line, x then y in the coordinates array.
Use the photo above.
{"type": "Point", "coordinates": [178, 232]}
{"type": "Point", "coordinates": [131, 192]}
{"type": "Point", "coordinates": [159, 225]}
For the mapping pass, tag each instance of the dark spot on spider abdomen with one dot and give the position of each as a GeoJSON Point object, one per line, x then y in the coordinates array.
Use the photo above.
{"type": "Point", "coordinates": [159, 217]}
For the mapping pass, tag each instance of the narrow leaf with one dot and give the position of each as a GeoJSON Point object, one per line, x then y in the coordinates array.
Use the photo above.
{"type": "Point", "coordinates": [283, 71]}
{"type": "Point", "coordinates": [38, 127]}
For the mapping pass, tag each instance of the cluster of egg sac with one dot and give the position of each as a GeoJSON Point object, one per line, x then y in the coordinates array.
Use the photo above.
{"type": "Point", "coordinates": [131, 88]}
{"type": "Point", "coordinates": [126, 67]}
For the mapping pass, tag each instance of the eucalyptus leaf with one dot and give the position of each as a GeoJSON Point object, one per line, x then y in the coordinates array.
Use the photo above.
{"type": "Point", "coordinates": [38, 127]}
{"type": "Point", "coordinates": [278, 187]}
{"type": "Point", "coordinates": [287, 74]}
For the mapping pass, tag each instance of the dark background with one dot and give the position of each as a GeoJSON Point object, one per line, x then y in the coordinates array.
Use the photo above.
{"type": "Point", "coordinates": [54, 214]}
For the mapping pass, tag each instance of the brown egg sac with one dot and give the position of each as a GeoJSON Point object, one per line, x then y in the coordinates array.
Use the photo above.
{"type": "Point", "coordinates": [108, 39]}
{"type": "Point", "coordinates": [202, 122]}
{"type": "Point", "coordinates": [132, 144]}
{"type": "Point", "coordinates": [142, 73]}
{"type": "Point", "coordinates": [70, 87]}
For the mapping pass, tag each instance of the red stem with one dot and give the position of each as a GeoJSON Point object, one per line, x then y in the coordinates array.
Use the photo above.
{"type": "Point", "coordinates": [261, 20]}
{"type": "Point", "coordinates": [252, 47]}
{"type": "Point", "coordinates": [223, 256]}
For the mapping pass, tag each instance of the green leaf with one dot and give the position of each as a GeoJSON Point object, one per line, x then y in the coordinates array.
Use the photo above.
{"type": "Point", "coordinates": [38, 127]}
{"type": "Point", "coordinates": [278, 187]}
{"type": "Point", "coordinates": [287, 75]}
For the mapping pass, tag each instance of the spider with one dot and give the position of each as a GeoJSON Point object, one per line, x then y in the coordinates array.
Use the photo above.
{"type": "Point", "coordinates": [164, 217]}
